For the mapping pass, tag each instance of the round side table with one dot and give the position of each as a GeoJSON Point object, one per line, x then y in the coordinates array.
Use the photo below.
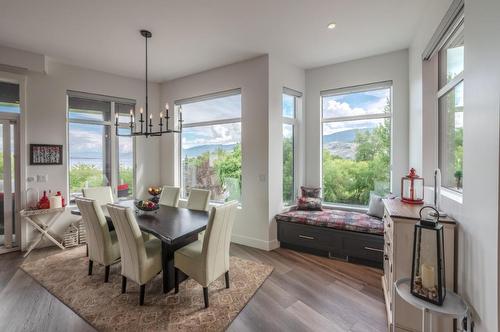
{"type": "Point", "coordinates": [453, 305]}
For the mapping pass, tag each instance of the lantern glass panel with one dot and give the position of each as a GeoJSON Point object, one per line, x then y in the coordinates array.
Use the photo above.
{"type": "Point", "coordinates": [418, 191]}
{"type": "Point", "coordinates": [428, 264]}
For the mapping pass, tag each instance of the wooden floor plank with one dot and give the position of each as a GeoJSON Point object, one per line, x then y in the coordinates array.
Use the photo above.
{"type": "Point", "coordinates": [304, 293]}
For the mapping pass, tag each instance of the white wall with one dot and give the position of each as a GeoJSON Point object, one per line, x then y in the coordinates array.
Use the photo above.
{"type": "Point", "coordinates": [252, 223]}
{"type": "Point", "coordinates": [45, 115]}
{"type": "Point", "coordinates": [391, 66]}
{"type": "Point", "coordinates": [478, 273]}
{"type": "Point", "coordinates": [477, 211]}
{"type": "Point", "coordinates": [282, 75]}
{"type": "Point", "coordinates": [430, 21]}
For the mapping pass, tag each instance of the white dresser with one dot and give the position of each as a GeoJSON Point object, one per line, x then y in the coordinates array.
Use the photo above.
{"type": "Point", "coordinates": [399, 221]}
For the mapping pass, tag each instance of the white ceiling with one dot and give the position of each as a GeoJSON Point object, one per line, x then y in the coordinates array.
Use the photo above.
{"type": "Point", "coordinates": [194, 35]}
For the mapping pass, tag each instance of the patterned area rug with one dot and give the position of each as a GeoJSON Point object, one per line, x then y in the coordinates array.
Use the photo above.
{"type": "Point", "coordinates": [104, 307]}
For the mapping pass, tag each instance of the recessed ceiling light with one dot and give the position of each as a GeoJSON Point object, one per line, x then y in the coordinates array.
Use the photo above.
{"type": "Point", "coordinates": [332, 25]}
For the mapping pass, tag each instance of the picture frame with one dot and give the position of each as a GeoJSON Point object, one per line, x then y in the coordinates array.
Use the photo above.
{"type": "Point", "coordinates": [46, 154]}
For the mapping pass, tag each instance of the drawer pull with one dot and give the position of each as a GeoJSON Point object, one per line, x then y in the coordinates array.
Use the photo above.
{"type": "Point", "coordinates": [306, 237]}
{"type": "Point", "coordinates": [374, 249]}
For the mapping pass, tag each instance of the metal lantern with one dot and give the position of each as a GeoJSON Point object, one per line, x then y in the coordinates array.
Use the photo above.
{"type": "Point", "coordinates": [428, 274]}
{"type": "Point", "coordinates": [412, 188]}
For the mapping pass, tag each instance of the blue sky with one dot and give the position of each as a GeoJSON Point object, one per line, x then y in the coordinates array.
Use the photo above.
{"type": "Point", "coordinates": [210, 110]}
{"type": "Point", "coordinates": [354, 104]}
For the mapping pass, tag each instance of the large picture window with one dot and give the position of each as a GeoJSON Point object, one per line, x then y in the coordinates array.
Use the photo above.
{"type": "Point", "coordinates": [92, 143]}
{"type": "Point", "coordinates": [290, 102]}
{"type": "Point", "coordinates": [451, 110]}
{"type": "Point", "coordinates": [356, 142]}
{"type": "Point", "coordinates": [211, 145]}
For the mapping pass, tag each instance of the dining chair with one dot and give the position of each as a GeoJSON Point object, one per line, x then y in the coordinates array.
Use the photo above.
{"type": "Point", "coordinates": [198, 199]}
{"type": "Point", "coordinates": [170, 196]}
{"type": "Point", "coordinates": [141, 260]}
{"type": "Point", "coordinates": [206, 260]}
{"type": "Point", "coordinates": [103, 195]}
{"type": "Point", "coordinates": [102, 244]}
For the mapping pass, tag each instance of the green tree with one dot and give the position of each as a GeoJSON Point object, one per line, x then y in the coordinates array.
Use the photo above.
{"type": "Point", "coordinates": [288, 190]}
{"type": "Point", "coordinates": [351, 181]}
{"type": "Point", "coordinates": [83, 175]}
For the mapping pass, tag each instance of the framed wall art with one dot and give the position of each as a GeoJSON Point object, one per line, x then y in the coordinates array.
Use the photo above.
{"type": "Point", "coordinates": [46, 154]}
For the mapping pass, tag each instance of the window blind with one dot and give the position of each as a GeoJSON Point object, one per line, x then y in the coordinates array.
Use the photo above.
{"type": "Point", "coordinates": [452, 20]}
{"type": "Point", "coordinates": [9, 93]}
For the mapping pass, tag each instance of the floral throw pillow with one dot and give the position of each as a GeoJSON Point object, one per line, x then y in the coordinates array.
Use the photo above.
{"type": "Point", "coordinates": [309, 203]}
{"type": "Point", "coordinates": [310, 191]}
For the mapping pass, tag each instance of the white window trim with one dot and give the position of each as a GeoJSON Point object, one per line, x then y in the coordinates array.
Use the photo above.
{"type": "Point", "coordinates": [354, 89]}
{"type": "Point", "coordinates": [456, 27]}
{"type": "Point", "coordinates": [114, 145]}
{"type": "Point", "coordinates": [216, 95]}
{"type": "Point", "coordinates": [297, 98]}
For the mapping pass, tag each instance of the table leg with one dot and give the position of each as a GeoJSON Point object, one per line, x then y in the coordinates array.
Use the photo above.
{"type": "Point", "coordinates": [164, 265]}
{"type": "Point", "coordinates": [426, 320]}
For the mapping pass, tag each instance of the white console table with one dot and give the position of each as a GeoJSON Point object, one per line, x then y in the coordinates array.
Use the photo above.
{"type": "Point", "coordinates": [34, 217]}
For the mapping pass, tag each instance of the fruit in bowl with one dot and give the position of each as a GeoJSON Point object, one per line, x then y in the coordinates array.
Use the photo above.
{"type": "Point", "coordinates": [155, 191]}
{"type": "Point", "coordinates": [147, 205]}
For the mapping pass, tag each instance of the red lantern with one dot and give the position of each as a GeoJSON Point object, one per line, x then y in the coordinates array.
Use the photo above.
{"type": "Point", "coordinates": [412, 188]}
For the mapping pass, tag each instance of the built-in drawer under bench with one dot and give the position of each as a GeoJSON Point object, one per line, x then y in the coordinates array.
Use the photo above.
{"type": "Point", "coordinates": [364, 248]}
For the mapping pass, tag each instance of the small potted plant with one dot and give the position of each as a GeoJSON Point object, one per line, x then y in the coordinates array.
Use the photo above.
{"type": "Point", "coordinates": [458, 178]}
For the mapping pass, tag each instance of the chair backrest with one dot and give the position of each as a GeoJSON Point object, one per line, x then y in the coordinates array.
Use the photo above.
{"type": "Point", "coordinates": [170, 196]}
{"type": "Point", "coordinates": [103, 195]}
{"type": "Point", "coordinates": [217, 240]}
{"type": "Point", "coordinates": [198, 199]}
{"type": "Point", "coordinates": [132, 250]}
{"type": "Point", "coordinates": [98, 238]}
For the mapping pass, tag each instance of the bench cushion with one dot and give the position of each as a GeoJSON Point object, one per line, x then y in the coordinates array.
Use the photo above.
{"type": "Point", "coordinates": [337, 219]}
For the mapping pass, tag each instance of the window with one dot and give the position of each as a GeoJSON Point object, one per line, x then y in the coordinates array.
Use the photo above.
{"type": "Point", "coordinates": [451, 110]}
{"type": "Point", "coordinates": [290, 102]}
{"type": "Point", "coordinates": [211, 145]}
{"type": "Point", "coordinates": [92, 143]}
{"type": "Point", "coordinates": [356, 142]}
{"type": "Point", "coordinates": [9, 98]}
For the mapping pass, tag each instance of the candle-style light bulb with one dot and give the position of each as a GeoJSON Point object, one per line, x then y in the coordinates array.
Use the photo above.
{"type": "Point", "coordinates": [166, 106]}
{"type": "Point", "coordinates": [116, 119]}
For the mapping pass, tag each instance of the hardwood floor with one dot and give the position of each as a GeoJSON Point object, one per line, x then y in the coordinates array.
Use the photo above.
{"type": "Point", "coordinates": [304, 293]}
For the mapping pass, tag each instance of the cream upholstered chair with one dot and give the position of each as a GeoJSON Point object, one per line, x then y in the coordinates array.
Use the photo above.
{"type": "Point", "coordinates": [141, 260]}
{"type": "Point", "coordinates": [206, 260]}
{"type": "Point", "coordinates": [102, 244]}
{"type": "Point", "coordinates": [169, 196]}
{"type": "Point", "coordinates": [198, 199]}
{"type": "Point", "coordinates": [103, 195]}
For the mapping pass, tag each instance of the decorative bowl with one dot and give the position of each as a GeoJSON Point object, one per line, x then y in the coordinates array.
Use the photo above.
{"type": "Point", "coordinates": [146, 205]}
{"type": "Point", "coordinates": [155, 191]}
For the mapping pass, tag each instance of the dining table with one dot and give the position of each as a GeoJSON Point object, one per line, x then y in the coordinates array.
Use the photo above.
{"type": "Point", "coordinates": [174, 226]}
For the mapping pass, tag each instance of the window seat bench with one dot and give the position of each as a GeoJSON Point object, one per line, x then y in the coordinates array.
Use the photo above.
{"type": "Point", "coordinates": [351, 236]}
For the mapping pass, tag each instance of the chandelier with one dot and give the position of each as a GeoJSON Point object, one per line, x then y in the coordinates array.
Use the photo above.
{"type": "Point", "coordinates": [145, 122]}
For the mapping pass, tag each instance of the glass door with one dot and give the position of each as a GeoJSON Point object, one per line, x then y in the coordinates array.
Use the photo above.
{"type": "Point", "coordinates": [9, 226]}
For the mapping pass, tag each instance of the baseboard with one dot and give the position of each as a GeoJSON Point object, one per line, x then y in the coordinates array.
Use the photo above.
{"type": "Point", "coordinates": [255, 243]}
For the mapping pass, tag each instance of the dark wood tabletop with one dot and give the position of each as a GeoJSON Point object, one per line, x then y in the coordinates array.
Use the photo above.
{"type": "Point", "coordinates": [169, 224]}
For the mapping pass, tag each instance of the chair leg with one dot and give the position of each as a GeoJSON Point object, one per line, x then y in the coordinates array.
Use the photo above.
{"type": "Point", "coordinates": [90, 267]}
{"type": "Point", "coordinates": [124, 284]}
{"type": "Point", "coordinates": [205, 296]}
{"type": "Point", "coordinates": [106, 273]}
{"type": "Point", "coordinates": [227, 279]}
{"type": "Point", "coordinates": [141, 294]}
{"type": "Point", "coordinates": [176, 279]}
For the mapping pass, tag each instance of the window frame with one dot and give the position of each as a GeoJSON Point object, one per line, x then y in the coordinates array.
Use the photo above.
{"type": "Point", "coordinates": [457, 31]}
{"type": "Point", "coordinates": [114, 142]}
{"type": "Point", "coordinates": [356, 89]}
{"type": "Point", "coordinates": [292, 121]}
{"type": "Point", "coordinates": [179, 103]}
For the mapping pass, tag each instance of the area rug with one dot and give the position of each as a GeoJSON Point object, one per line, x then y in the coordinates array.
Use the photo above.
{"type": "Point", "coordinates": [104, 307]}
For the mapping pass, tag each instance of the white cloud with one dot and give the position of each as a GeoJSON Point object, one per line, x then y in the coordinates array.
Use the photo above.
{"type": "Point", "coordinates": [217, 134]}
{"type": "Point", "coordinates": [341, 109]}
